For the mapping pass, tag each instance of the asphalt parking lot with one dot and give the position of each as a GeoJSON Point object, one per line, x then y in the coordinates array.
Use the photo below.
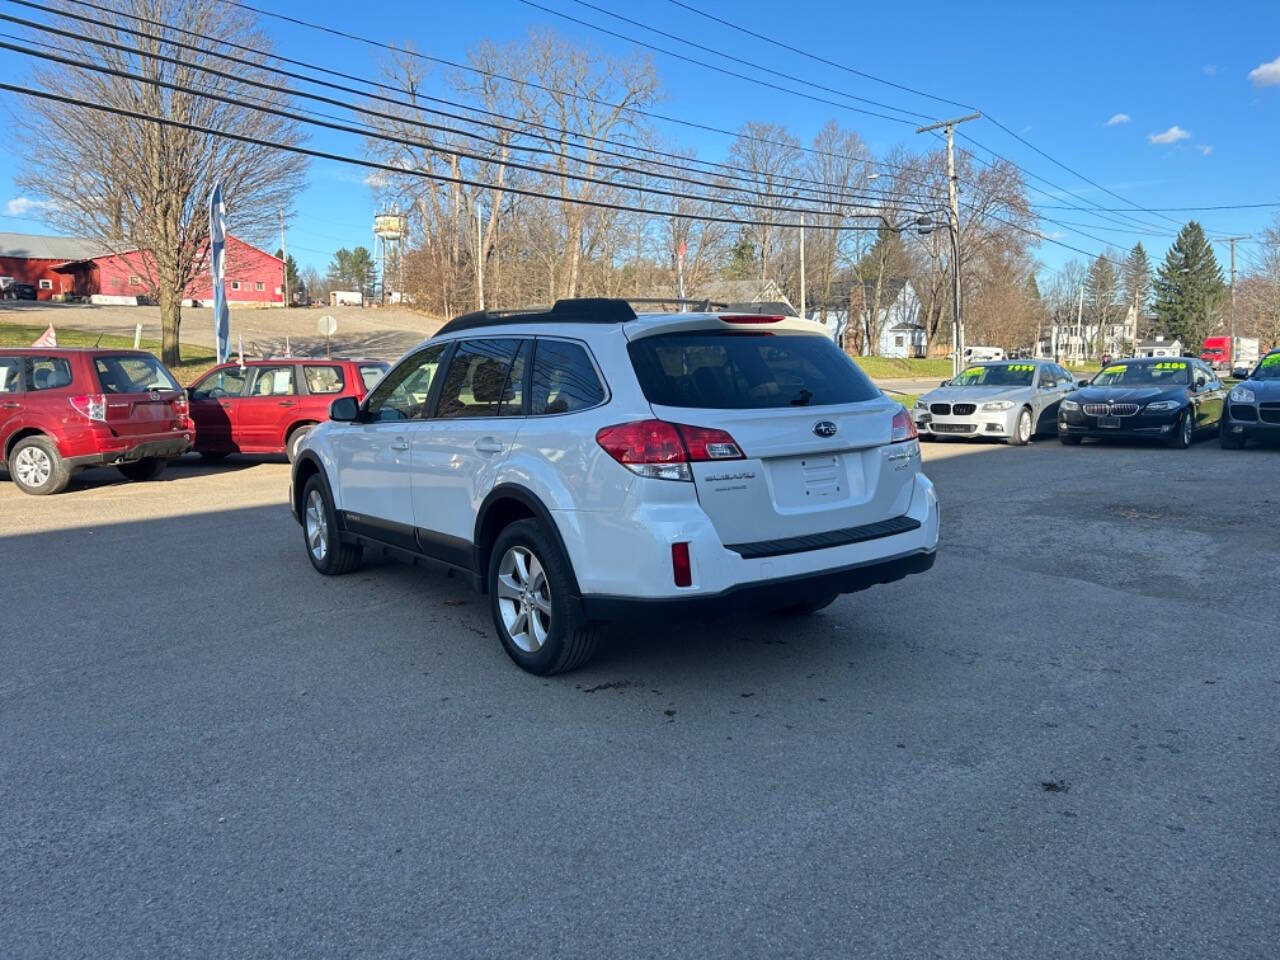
{"type": "Point", "coordinates": [1064, 741]}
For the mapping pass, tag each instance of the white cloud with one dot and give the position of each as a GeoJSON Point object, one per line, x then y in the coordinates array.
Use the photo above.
{"type": "Point", "coordinates": [1118, 119]}
{"type": "Point", "coordinates": [1204, 148]}
{"type": "Point", "coordinates": [1266, 74]}
{"type": "Point", "coordinates": [22, 206]}
{"type": "Point", "coordinates": [1172, 135]}
{"type": "Point", "coordinates": [1210, 69]}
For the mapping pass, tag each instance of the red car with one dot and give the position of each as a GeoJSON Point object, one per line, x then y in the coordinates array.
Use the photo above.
{"type": "Point", "coordinates": [63, 410]}
{"type": "Point", "coordinates": [267, 406]}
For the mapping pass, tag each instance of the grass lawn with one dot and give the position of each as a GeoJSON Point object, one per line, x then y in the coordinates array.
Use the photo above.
{"type": "Point", "coordinates": [890, 368]}
{"type": "Point", "coordinates": [195, 360]}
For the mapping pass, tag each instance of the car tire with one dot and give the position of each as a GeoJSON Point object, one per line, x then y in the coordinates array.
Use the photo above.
{"type": "Point", "coordinates": [1069, 439]}
{"type": "Point", "coordinates": [533, 603]}
{"type": "Point", "coordinates": [1183, 432]}
{"type": "Point", "coordinates": [37, 468]}
{"type": "Point", "coordinates": [148, 468]}
{"type": "Point", "coordinates": [294, 441]}
{"type": "Point", "coordinates": [807, 607]}
{"type": "Point", "coordinates": [325, 549]}
{"type": "Point", "coordinates": [1229, 440]}
{"type": "Point", "coordinates": [1023, 429]}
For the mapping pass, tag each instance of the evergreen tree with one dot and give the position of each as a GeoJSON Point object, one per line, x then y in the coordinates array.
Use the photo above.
{"type": "Point", "coordinates": [1102, 300]}
{"type": "Point", "coordinates": [1135, 283]}
{"type": "Point", "coordinates": [742, 259]}
{"type": "Point", "coordinates": [295, 286]}
{"type": "Point", "coordinates": [353, 270]}
{"type": "Point", "coordinates": [1189, 289]}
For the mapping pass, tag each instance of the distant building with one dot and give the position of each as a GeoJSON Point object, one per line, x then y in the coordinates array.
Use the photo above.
{"type": "Point", "coordinates": [70, 268]}
{"type": "Point", "coordinates": [897, 315]}
{"type": "Point", "coordinates": [1160, 347]}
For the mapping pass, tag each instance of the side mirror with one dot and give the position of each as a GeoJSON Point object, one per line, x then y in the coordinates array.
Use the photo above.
{"type": "Point", "coordinates": [1081, 383]}
{"type": "Point", "coordinates": [344, 410]}
{"type": "Point", "coordinates": [945, 383]}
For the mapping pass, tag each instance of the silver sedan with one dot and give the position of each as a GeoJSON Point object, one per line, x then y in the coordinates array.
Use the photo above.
{"type": "Point", "coordinates": [1010, 400]}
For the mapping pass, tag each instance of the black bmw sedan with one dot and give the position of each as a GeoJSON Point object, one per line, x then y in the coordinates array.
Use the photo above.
{"type": "Point", "coordinates": [1253, 408]}
{"type": "Point", "coordinates": [1170, 400]}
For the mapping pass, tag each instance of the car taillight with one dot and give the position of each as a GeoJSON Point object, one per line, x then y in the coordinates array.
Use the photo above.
{"type": "Point", "coordinates": [663, 451]}
{"type": "Point", "coordinates": [181, 407]}
{"type": "Point", "coordinates": [904, 427]}
{"type": "Point", "coordinates": [751, 318]}
{"type": "Point", "coordinates": [681, 570]}
{"type": "Point", "coordinates": [91, 405]}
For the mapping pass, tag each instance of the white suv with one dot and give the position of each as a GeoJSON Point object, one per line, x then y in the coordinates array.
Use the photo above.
{"type": "Point", "coordinates": [584, 464]}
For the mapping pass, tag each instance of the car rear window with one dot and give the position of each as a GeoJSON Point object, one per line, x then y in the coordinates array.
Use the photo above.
{"type": "Point", "coordinates": [742, 371]}
{"type": "Point", "coordinates": [133, 374]}
{"type": "Point", "coordinates": [371, 373]}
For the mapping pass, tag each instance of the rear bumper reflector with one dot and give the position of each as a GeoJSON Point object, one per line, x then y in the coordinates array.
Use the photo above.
{"type": "Point", "coordinates": [822, 541]}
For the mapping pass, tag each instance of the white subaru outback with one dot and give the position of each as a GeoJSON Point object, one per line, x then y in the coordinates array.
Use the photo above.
{"type": "Point", "coordinates": [583, 464]}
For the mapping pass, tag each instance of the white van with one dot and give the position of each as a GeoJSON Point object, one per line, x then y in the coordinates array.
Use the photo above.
{"type": "Point", "coordinates": [982, 354]}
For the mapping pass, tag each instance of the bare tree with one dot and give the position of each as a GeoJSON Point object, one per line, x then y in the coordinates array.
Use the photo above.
{"type": "Point", "coordinates": [134, 185]}
{"type": "Point", "coordinates": [770, 157]}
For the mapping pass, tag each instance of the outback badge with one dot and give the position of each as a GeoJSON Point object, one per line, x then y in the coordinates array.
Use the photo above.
{"type": "Point", "coordinates": [825, 428]}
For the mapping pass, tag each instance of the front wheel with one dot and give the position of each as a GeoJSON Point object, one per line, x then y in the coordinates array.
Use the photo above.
{"type": "Point", "coordinates": [325, 549]}
{"type": "Point", "coordinates": [1183, 431]}
{"type": "Point", "coordinates": [531, 597]}
{"type": "Point", "coordinates": [294, 443]}
{"type": "Point", "coordinates": [1021, 429]}
{"type": "Point", "coordinates": [148, 468]}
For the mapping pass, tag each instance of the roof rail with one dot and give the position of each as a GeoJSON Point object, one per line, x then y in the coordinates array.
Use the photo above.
{"type": "Point", "coordinates": [579, 310]}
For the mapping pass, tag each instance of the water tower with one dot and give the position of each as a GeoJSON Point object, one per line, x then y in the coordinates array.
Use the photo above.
{"type": "Point", "coordinates": [389, 231]}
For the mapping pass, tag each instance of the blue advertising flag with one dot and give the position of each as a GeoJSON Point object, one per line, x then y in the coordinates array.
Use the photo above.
{"type": "Point", "coordinates": [218, 272]}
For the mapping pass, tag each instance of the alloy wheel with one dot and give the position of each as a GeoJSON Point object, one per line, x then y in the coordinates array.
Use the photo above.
{"type": "Point", "coordinates": [1187, 430]}
{"type": "Point", "coordinates": [33, 466]}
{"type": "Point", "coordinates": [524, 598]}
{"type": "Point", "coordinates": [317, 527]}
{"type": "Point", "coordinates": [1024, 426]}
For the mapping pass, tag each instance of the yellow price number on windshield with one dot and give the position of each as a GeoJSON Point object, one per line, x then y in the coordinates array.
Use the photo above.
{"type": "Point", "coordinates": [1022, 367]}
{"type": "Point", "coordinates": [1170, 365]}
{"type": "Point", "coordinates": [1114, 370]}
{"type": "Point", "coordinates": [1271, 360]}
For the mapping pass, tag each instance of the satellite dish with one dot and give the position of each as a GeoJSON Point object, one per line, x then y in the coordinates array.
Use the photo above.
{"type": "Point", "coordinates": [327, 326]}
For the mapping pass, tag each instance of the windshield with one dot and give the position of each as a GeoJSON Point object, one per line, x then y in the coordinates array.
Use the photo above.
{"type": "Point", "coordinates": [746, 371]}
{"type": "Point", "coordinates": [1163, 373]}
{"type": "Point", "coordinates": [1268, 369]}
{"type": "Point", "coordinates": [997, 375]}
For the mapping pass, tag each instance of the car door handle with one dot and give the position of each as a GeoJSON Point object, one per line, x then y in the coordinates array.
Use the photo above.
{"type": "Point", "coordinates": [488, 445]}
{"type": "Point", "coordinates": [400, 443]}
{"type": "Point", "coordinates": [9, 405]}
{"type": "Point", "coordinates": [286, 403]}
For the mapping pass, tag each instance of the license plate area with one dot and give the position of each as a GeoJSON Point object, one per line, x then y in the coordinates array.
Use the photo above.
{"type": "Point", "coordinates": [815, 479]}
{"type": "Point", "coordinates": [1109, 423]}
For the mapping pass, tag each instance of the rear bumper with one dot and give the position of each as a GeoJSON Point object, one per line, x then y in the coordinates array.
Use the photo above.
{"type": "Point", "coordinates": [760, 596]}
{"type": "Point", "coordinates": [129, 449]}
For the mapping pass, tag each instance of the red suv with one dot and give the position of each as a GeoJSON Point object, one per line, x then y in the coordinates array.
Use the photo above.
{"type": "Point", "coordinates": [64, 410]}
{"type": "Point", "coordinates": [267, 406]}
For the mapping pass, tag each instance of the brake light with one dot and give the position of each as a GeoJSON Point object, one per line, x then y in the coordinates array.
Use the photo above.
{"type": "Point", "coordinates": [181, 407]}
{"type": "Point", "coordinates": [751, 318]}
{"type": "Point", "coordinates": [663, 451]}
{"type": "Point", "coordinates": [904, 428]}
{"type": "Point", "coordinates": [91, 405]}
{"type": "Point", "coordinates": [681, 570]}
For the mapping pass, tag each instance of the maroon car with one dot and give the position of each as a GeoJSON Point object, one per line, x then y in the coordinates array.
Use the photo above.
{"type": "Point", "coordinates": [62, 410]}
{"type": "Point", "coordinates": [267, 406]}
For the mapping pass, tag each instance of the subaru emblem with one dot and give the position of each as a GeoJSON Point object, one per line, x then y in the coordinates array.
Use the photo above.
{"type": "Point", "coordinates": [825, 428]}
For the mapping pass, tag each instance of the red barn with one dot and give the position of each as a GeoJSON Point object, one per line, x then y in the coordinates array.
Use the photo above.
{"type": "Point", "coordinates": [81, 268]}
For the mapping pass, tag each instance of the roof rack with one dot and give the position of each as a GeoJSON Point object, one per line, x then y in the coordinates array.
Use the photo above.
{"type": "Point", "coordinates": [579, 310]}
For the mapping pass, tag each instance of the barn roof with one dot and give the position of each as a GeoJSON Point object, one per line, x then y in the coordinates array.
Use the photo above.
{"type": "Point", "coordinates": [34, 246]}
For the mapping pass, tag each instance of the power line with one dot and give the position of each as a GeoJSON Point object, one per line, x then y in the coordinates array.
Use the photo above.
{"type": "Point", "coordinates": [813, 56]}
{"type": "Point", "coordinates": [390, 168]}
{"type": "Point", "coordinates": [403, 141]}
{"type": "Point", "coordinates": [717, 53]}
{"type": "Point", "coordinates": [864, 193]}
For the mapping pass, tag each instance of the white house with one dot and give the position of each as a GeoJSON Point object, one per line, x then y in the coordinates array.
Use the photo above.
{"type": "Point", "coordinates": [897, 318]}
{"type": "Point", "coordinates": [1160, 347]}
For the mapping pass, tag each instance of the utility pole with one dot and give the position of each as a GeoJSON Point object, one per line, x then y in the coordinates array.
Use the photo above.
{"type": "Point", "coordinates": [1232, 241]}
{"type": "Point", "coordinates": [957, 321]}
{"type": "Point", "coordinates": [284, 257]}
{"type": "Point", "coordinates": [1080, 325]}
{"type": "Point", "coordinates": [802, 313]}
{"type": "Point", "coordinates": [479, 260]}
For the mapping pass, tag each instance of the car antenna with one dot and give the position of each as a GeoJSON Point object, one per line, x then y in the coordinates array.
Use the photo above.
{"type": "Point", "coordinates": [98, 341]}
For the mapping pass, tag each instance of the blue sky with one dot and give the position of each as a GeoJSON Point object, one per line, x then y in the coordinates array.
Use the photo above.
{"type": "Point", "coordinates": [1055, 73]}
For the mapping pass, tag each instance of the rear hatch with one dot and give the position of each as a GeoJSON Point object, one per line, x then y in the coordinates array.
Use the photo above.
{"type": "Point", "coordinates": [142, 397]}
{"type": "Point", "coordinates": [814, 431]}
